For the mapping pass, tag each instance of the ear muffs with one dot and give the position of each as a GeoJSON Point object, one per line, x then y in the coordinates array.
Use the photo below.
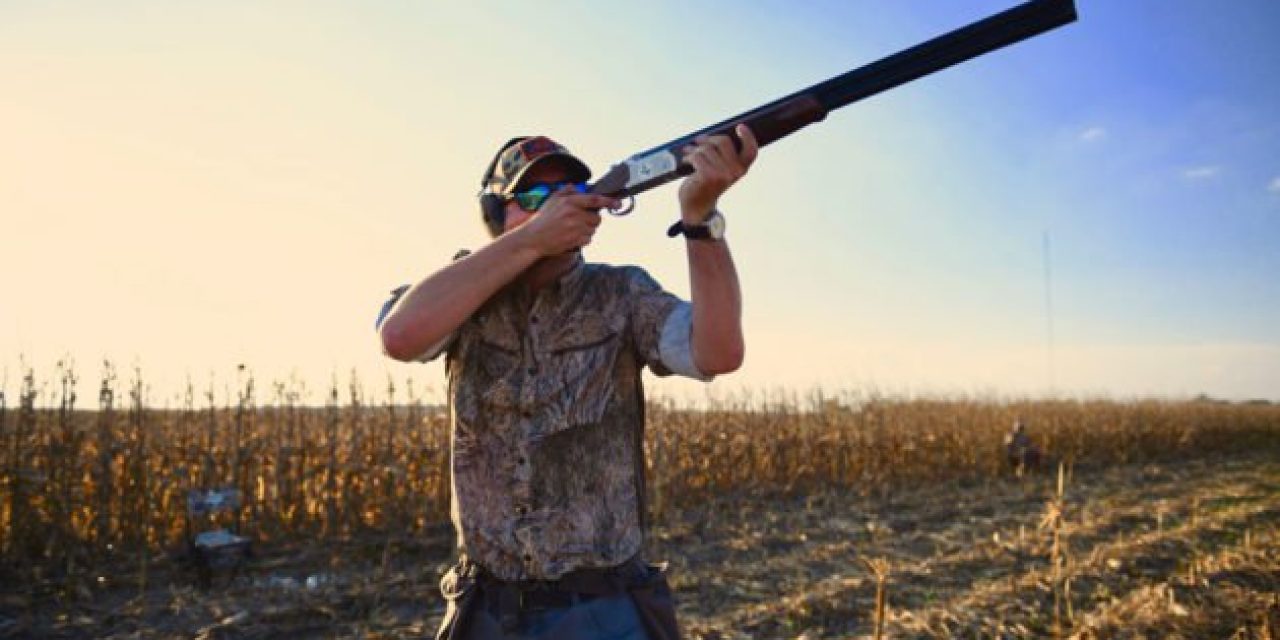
{"type": "Point", "coordinates": [493, 207]}
{"type": "Point", "coordinates": [493, 210]}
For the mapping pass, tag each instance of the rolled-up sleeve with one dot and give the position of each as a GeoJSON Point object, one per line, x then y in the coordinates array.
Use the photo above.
{"type": "Point", "coordinates": [434, 350]}
{"type": "Point", "coordinates": [663, 327]}
{"type": "Point", "coordinates": [676, 345]}
{"type": "Point", "coordinates": [390, 304]}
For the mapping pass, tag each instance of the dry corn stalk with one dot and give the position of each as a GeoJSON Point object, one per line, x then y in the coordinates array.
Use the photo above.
{"type": "Point", "coordinates": [879, 567]}
{"type": "Point", "coordinates": [1052, 520]}
{"type": "Point", "coordinates": [312, 472]}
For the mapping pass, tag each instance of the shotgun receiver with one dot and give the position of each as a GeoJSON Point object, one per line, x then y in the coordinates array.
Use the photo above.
{"type": "Point", "coordinates": [786, 115]}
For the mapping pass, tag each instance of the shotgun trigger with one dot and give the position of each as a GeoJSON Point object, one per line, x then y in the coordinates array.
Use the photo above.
{"type": "Point", "coordinates": [628, 205]}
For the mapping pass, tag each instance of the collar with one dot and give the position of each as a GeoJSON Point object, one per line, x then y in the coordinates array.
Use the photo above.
{"type": "Point", "coordinates": [562, 283]}
{"type": "Point", "coordinates": [572, 276]}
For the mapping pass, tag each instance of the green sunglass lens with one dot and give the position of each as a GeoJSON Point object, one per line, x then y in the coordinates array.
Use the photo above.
{"type": "Point", "coordinates": [533, 198]}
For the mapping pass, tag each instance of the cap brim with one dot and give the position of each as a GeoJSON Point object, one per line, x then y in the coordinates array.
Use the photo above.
{"type": "Point", "coordinates": [570, 161]}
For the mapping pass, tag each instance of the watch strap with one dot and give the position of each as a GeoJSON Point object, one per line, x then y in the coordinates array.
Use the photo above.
{"type": "Point", "coordinates": [702, 231]}
{"type": "Point", "coordinates": [693, 232]}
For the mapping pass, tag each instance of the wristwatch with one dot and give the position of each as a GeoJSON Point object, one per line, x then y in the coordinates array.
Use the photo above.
{"type": "Point", "coordinates": [711, 229]}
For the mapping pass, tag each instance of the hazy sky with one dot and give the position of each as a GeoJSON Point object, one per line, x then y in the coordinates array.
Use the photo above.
{"type": "Point", "coordinates": [187, 186]}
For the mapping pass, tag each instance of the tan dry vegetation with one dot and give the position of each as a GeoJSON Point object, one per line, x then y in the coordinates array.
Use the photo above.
{"type": "Point", "coordinates": [769, 506]}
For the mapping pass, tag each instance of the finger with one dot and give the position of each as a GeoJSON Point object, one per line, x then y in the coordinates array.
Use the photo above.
{"type": "Point", "coordinates": [723, 144]}
{"type": "Point", "coordinates": [750, 147]}
{"type": "Point", "coordinates": [710, 168]}
{"type": "Point", "coordinates": [701, 165]}
{"type": "Point", "coordinates": [700, 142]}
{"type": "Point", "coordinates": [727, 154]}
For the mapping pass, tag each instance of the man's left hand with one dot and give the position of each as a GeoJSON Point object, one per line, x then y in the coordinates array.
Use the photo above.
{"type": "Point", "coordinates": [717, 165]}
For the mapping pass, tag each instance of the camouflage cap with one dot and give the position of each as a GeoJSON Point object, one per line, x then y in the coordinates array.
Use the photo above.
{"type": "Point", "coordinates": [521, 155]}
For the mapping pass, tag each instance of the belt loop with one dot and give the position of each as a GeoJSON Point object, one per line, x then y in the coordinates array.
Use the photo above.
{"type": "Point", "coordinates": [467, 568]}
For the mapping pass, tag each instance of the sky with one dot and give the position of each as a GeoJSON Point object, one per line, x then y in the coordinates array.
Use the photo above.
{"type": "Point", "coordinates": [186, 187]}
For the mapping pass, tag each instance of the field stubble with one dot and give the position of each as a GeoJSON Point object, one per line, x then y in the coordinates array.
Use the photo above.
{"type": "Point", "coordinates": [773, 510]}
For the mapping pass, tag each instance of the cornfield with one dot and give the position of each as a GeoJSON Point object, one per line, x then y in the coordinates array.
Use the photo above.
{"type": "Point", "coordinates": [81, 487]}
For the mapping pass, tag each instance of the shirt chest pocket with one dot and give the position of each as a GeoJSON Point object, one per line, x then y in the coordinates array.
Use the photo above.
{"type": "Point", "coordinates": [487, 377]}
{"type": "Point", "coordinates": [579, 381]}
{"type": "Point", "coordinates": [498, 359]}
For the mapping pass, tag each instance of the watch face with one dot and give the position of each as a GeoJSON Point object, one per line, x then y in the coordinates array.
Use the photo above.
{"type": "Point", "coordinates": [715, 225]}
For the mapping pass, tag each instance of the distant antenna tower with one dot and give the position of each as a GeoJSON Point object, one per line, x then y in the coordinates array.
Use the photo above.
{"type": "Point", "coordinates": [1048, 315]}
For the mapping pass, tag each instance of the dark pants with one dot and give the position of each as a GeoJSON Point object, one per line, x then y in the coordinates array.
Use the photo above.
{"type": "Point", "coordinates": [601, 618]}
{"type": "Point", "coordinates": [629, 602]}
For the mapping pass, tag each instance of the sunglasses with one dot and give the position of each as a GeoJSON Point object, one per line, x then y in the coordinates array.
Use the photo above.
{"type": "Point", "coordinates": [535, 196]}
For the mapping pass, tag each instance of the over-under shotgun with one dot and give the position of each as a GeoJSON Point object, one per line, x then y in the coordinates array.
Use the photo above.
{"type": "Point", "coordinates": [784, 116]}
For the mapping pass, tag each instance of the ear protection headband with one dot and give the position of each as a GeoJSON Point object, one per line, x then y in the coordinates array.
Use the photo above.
{"type": "Point", "coordinates": [492, 205]}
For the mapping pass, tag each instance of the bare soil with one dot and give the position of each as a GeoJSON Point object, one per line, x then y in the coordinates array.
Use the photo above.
{"type": "Point", "coordinates": [1185, 550]}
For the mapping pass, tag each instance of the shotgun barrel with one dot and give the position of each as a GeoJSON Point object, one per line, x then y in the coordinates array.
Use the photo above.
{"type": "Point", "coordinates": [786, 115]}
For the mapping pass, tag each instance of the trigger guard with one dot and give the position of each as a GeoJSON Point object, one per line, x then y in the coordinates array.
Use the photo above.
{"type": "Point", "coordinates": [628, 205]}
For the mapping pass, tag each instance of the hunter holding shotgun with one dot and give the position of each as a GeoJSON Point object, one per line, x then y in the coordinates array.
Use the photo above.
{"type": "Point", "coordinates": [544, 354]}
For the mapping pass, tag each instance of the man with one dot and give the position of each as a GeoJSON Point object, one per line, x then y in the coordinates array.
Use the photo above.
{"type": "Point", "coordinates": [544, 354]}
{"type": "Point", "coordinates": [1022, 454]}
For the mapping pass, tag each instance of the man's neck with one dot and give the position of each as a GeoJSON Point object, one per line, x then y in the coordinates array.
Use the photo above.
{"type": "Point", "coordinates": [548, 270]}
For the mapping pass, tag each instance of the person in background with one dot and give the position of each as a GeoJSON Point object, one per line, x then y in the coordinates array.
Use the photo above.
{"type": "Point", "coordinates": [1021, 453]}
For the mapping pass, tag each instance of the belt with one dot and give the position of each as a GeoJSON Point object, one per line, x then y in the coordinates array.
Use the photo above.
{"type": "Point", "coordinates": [530, 600]}
{"type": "Point", "coordinates": [510, 600]}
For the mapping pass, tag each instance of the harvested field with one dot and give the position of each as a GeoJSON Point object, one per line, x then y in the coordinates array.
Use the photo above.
{"type": "Point", "coordinates": [1180, 549]}
{"type": "Point", "coordinates": [1186, 550]}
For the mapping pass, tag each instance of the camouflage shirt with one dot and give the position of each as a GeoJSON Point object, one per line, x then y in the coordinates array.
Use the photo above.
{"type": "Point", "coordinates": [547, 415]}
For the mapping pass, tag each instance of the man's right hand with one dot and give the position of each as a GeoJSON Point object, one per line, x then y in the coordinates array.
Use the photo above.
{"type": "Point", "coordinates": [566, 222]}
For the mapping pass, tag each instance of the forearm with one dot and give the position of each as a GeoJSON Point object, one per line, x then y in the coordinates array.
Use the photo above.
{"type": "Point", "coordinates": [434, 307]}
{"type": "Point", "coordinates": [717, 307]}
